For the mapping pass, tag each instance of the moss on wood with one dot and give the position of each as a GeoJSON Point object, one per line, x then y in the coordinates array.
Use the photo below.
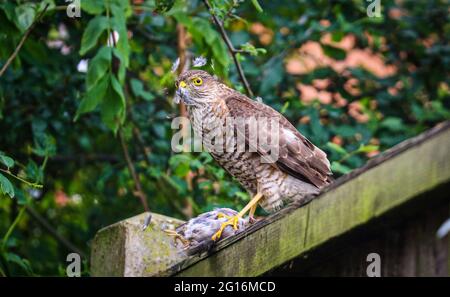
{"type": "Point", "coordinates": [396, 178]}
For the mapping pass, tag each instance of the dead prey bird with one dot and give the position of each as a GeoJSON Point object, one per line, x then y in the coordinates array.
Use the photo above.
{"type": "Point", "coordinates": [195, 235]}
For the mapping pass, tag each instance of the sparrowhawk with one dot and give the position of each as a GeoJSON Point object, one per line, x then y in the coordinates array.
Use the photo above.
{"type": "Point", "coordinates": [299, 170]}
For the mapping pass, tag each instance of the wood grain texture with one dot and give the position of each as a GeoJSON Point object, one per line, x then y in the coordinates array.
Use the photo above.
{"type": "Point", "coordinates": [396, 178]}
{"type": "Point", "coordinates": [406, 242]}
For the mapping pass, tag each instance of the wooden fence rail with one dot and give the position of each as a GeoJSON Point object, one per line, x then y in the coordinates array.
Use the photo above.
{"type": "Point", "coordinates": [403, 193]}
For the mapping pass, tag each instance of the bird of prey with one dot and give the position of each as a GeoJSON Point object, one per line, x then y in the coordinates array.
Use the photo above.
{"type": "Point", "coordinates": [300, 169]}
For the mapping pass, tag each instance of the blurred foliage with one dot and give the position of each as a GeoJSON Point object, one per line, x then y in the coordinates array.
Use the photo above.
{"type": "Point", "coordinates": [59, 122]}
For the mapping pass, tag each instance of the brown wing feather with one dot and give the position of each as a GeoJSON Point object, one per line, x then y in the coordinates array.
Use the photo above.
{"type": "Point", "coordinates": [298, 156]}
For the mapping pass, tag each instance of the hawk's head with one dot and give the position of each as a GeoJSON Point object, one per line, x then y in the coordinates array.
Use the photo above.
{"type": "Point", "coordinates": [196, 88]}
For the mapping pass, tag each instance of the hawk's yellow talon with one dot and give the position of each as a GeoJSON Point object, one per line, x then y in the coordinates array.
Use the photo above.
{"type": "Point", "coordinates": [232, 221]}
{"type": "Point", "coordinates": [222, 215]}
{"type": "Point", "coordinates": [217, 235]}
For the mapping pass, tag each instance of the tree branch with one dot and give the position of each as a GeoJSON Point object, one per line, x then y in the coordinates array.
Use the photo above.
{"type": "Point", "coordinates": [231, 49]}
{"type": "Point", "coordinates": [146, 150]}
{"type": "Point", "coordinates": [47, 226]}
{"type": "Point", "coordinates": [22, 41]}
{"type": "Point", "coordinates": [86, 158]}
{"type": "Point", "coordinates": [181, 48]}
{"type": "Point", "coordinates": [139, 193]}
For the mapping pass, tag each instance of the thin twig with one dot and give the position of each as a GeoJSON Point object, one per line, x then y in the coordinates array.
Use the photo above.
{"type": "Point", "coordinates": [141, 143]}
{"type": "Point", "coordinates": [12, 227]}
{"type": "Point", "coordinates": [34, 185]}
{"type": "Point", "coordinates": [231, 49]}
{"type": "Point", "coordinates": [184, 65]}
{"type": "Point", "coordinates": [139, 193]}
{"type": "Point", "coordinates": [22, 41]}
{"type": "Point", "coordinates": [2, 273]}
{"type": "Point", "coordinates": [181, 48]}
{"type": "Point", "coordinates": [47, 226]}
{"type": "Point", "coordinates": [86, 158]}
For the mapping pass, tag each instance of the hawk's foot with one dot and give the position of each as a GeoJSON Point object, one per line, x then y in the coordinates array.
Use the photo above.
{"type": "Point", "coordinates": [222, 215]}
{"type": "Point", "coordinates": [232, 221]}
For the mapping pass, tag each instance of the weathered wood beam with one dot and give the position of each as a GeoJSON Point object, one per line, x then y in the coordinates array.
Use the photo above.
{"type": "Point", "coordinates": [125, 249]}
{"type": "Point", "coordinates": [395, 178]}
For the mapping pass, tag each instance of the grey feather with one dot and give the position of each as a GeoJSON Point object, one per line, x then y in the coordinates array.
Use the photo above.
{"type": "Point", "coordinates": [199, 230]}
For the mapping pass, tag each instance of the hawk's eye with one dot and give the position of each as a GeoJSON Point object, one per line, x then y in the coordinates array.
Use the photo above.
{"type": "Point", "coordinates": [197, 81]}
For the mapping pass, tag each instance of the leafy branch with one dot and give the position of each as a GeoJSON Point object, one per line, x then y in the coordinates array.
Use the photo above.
{"type": "Point", "coordinates": [233, 51]}
{"type": "Point", "coordinates": [337, 166]}
{"type": "Point", "coordinates": [22, 41]}
{"type": "Point", "coordinates": [31, 184]}
{"type": "Point", "coordinates": [6, 186]}
{"type": "Point", "coordinates": [12, 227]}
{"type": "Point", "coordinates": [139, 192]}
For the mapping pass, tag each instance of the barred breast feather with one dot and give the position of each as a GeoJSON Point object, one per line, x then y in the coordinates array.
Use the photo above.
{"type": "Point", "coordinates": [300, 169]}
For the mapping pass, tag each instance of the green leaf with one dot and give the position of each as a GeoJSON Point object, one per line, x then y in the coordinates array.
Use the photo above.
{"type": "Point", "coordinates": [9, 9]}
{"type": "Point", "coordinates": [25, 15]}
{"type": "Point", "coordinates": [7, 161]}
{"type": "Point", "coordinates": [121, 73]}
{"type": "Point", "coordinates": [285, 107]}
{"type": "Point", "coordinates": [23, 263]}
{"type": "Point", "coordinates": [249, 48]}
{"type": "Point", "coordinates": [21, 197]}
{"type": "Point", "coordinates": [337, 36]}
{"type": "Point", "coordinates": [50, 4]}
{"type": "Point", "coordinates": [367, 148]}
{"type": "Point", "coordinates": [6, 186]}
{"type": "Point", "coordinates": [122, 7]}
{"type": "Point", "coordinates": [272, 75]}
{"type": "Point", "coordinates": [98, 66]}
{"type": "Point", "coordinates": [181, 164]}
{"type": "Point", "coordinates": [93, 6]}
{"type": "Point", "coordinates": [209, 40]}
{"type": "Point", "coordinates": [182, 169]}
{"type": "Point", "coordinates": [119, 24]}
{"type": "Point", "coordinates": [243, 195]}
{"type": "Point", "coordinates": [334, 52]}
{"type": "Point", "coordinates": [113, 106]}
{"type": "Point", "coordinates": [163, 5]}
{"type": "Point", "coordinates": [339, 168]}
{"type": "Point", "coordinates": [35, 52]}
{"type": "Point", "coordinates": [94, 29]}
{"type": "Point", "coordinates": [93, 96]}
{"type": "Point", "coordinates": [44, 145]}
{"type": "Point", "coordinates": [138, 90]}
{"type": "Point", "coordinates": [257, 6]}
{"type": "Point", "coordinates": [34, 172]}
{"type": "Point", "coordinates": [337, 148]}
{"type": "Point", "coordinates": [393, 124]}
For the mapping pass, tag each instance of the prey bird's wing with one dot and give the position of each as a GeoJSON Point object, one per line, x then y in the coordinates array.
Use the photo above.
{"type": "Point", "coordinates": [298, 157]}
